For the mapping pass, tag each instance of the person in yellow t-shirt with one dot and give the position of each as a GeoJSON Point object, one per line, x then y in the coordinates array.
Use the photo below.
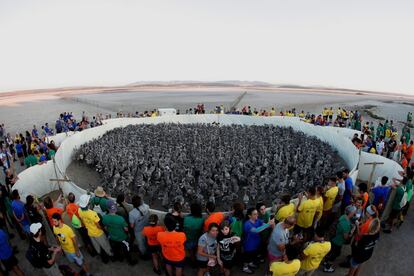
{"type": "Point", "coordinates": [329, 199]}
{"type": "Point", "coordinates": [67, 240]}
{"type": "Point", "coordinates": [307, 212]}
{"type": "Point", "coordinates": [286, 209]}
{"type": "Point", "coordinates": [319, 198]}
{"type": "Point", "coordinates": [91, 220]}
{"type": "Point", "coordinates": [289, 267]}
{"type": "Point", "coordinates": [314, 253]}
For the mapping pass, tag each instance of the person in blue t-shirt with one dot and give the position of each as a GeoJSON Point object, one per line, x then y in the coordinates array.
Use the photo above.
{"type": "Point", "coordinates": [19, 212]}
{"type": "Point", "coordinates": [7, 257]}
{"type": "Point", "coordinates": [381, 194]}
{"type": "Point", "coordinates": [251, 242]}
{"type": "Point", "coordinates": [347, 197]}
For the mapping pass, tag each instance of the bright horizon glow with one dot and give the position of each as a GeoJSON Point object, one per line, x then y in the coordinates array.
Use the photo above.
{"type": "Point", "coordinates": [348, 44]}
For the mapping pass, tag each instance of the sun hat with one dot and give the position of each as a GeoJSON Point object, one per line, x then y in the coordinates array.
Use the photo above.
{"type": "Point", "coordinates": [35, 227]}
{"type": "Point", "coordinates": [84, 200]}
{"type": "Point", "coordinates": [99, 191]}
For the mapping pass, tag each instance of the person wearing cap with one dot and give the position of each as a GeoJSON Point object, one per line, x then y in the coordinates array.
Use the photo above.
{"type": "Point", "coordinates": [151, 232]}
{"type": "Point", "coordinates": [100, 202]}
{"type": "Point", "coordinates": [342, 234]}
{"type": "Point", "coordinates": [371, 213]}
{"type": "Point", "coordinates": [67, 239]}
{"type": "Point", "coordinates": [91, 221]}
{"type": "Point", "coordinates": [117, 229]}
{"type": "Point", "coordinates": [314, 253]}
{"type": "Point", "coordinates": [47, 255]}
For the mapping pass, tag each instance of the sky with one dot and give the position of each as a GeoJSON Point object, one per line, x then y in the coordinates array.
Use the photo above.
{"type": "Point", "coordinates": [351, 44]}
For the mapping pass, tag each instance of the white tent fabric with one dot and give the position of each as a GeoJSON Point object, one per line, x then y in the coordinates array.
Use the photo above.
{"type": "Point", "coordinates": [36, 180]}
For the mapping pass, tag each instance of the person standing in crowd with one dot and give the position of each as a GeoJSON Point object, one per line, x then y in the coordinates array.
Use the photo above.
{"type": "Point", "coordinates": [138, 218]}
{"type": "Point", "coordinates": [151, 233]}
{"type": "Point", "coordinates": [30, 160]}
{"type": "Point", "coordinates": [100, 202]}
{"type": "Point", "coordinates": [236, 219]}
{"type": "Point", "coordinates": [319, 209]}
{"type": "Point", "coordinates": [207, 249]}
{"type": "Point", "coordinates": [51, 209]}
{"type": "Point", "coordinates": [19, 214]}
{"type": "Point", "coordinates": [285, 209]}
{"type": "Point", "coordinates": [363, 224]}
{"type": "Point", "coordinates": [362, 250]}
{"type": "Point", "coordinates": [307, 212]}
{"type": "Point", "coordinates": [381, 194]}
{"type": "Point", "coordinates": [349, 187]}
{"type": "Point", "coordinates": [226, 249]}
{"type": "Point", "coordinates": [19, 151]}
{"type": "Point", "coordinates": [10, 179]}
{"type": "Point", "coordinates": [279, 240]}
{"type": "Point", "coordinates": [264, 216]}
{"type": "Point", "coordinates": [410, 151]}
{"type": "Point", "coordinates": [216, 217]}
{"type": "Point", "coordinates": [72, 209]}
{"type": "Point", "coordinates": [409, 189]}
{"type": "Point", "coordinates": [314, 253]}
{"type": "Point", "coordinates": [251, 229]}
{"type": "Point", "coordinates": [117, 229]}
{"type": "Point", "coordinates": [193, 226]}
{"type": "Point", "coordinates": [67, 239]}
{"type": "Point", "coordinates": [290, 266]}
{"type": "Point", "coordinates": [398, 203]}
{"type": "Point", "coordinates": [42, 256]}
{"type": "Point", "coordinates": [342, 235]}
{"type": "Point", "coordinates": [91, 221]}
{"type": "Point", "coordinates": [363, 194]}
{"type": "Point", "coordinates": [330, 195]}
{"type": "Point", "coordinates": [172, 247]}
{"type": "Point", "coordinates": [33, 210]}
{"type": "Point", "coordinates": [178, 216]}
{"type": "Point", "coordinates": [7, 257]}
{"type": "Point", "coordinates": [122, 207]}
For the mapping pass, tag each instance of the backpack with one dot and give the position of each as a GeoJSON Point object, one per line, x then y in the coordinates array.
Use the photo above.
{"type": "Point", "coordinates": [33, 256]}
{"type": "Point", "coordinates": [404, 199]}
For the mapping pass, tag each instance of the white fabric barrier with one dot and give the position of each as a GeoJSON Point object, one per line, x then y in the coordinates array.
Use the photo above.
{"type": "Point", "coordinates": [35, 180]}
{"type": "Point", "coordinates": [59, 138]}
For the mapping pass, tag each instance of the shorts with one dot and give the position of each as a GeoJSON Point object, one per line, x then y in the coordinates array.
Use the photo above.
{"type": "Point", "coordinates": [75, 259]}
{"type": "Point", "coordinates": [10, 263]}
{"type": "Point", "coordinates": [330, 117]}
{"type": "Point", "coordinates": [273, 258]}
{"type": "Point", "coordinates": [20, 154]}
{"type": "Point", "coordinates": [190, 244]}
{"type": "Point", "coordinates": [179, 264]}
{"type": "Point", "coordinates": [154, 249]}
{"type": "Point", "coordinates": [227, 264]}
{"type": "Point", "coordinates": [354, 264]}
{"type": "Point", "coordinates": [202, 264]}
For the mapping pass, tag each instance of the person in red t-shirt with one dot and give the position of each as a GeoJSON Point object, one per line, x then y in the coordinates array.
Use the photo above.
{"type": "Point", "coordinates": [50, 209]}
{"type": "Point", "coordinates": [216, 217]}
{"type": "Point", "coordinates": [150, 233]}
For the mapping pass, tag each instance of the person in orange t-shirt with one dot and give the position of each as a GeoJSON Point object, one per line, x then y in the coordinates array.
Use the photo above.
{"type": "Point", "coordinates": [50, 209]}
{"type": "Point", "coordinates": [151, 233]}
{"type": "Point", "coordinates": [72, 208]}
{"type": "Point", "coordinates": [409, 153]}
{"type": "Point", "coordinates": [172, 247]}
{"type": "Point", "coordinates": [371, 213]}
{"type": "Point", "coordinates": [216, 217]}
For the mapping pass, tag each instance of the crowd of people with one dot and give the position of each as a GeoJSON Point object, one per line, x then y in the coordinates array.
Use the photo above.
{"type": "Point", "coordinates": [297, 236]}
{"type": "Point", "coordinates": [294, 237]}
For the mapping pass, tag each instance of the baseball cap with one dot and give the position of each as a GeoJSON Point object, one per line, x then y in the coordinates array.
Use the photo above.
{"type": "Point", "coordinates": [370, 210]}
{"type": "Point", "coordinates": [111, 206]}
{"type": "Point", "coordinates": [84, 200]}
{"type": "Point", "coordinates": [350, 209]}
{"type": "Point", "coordinates": [35, 227]}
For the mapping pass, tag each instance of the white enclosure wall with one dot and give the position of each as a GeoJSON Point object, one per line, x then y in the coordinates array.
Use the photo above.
{"type": "Point", "coordinates": [35, 180]}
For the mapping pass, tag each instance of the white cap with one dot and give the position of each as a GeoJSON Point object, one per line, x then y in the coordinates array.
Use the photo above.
{"type": "Point", "coordinates": [84, 200]}
{"type": "Point", "coordinates": [35, 227]}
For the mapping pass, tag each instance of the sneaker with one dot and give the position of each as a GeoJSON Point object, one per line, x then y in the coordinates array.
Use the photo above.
{"type": "Point", "coordinates": [329, 269]}
{"type": "Point", "coordinates": [252, 265]}
{"type": "Point", "coordinates": [247, 270]}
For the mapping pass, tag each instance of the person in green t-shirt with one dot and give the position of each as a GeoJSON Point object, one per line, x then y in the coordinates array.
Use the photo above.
{"type": "Point", "coordinates": [30, 160]}
{"type": "Point", "coordinates": [397, 203]}
{"type": "Point", "coordinates": [50, 154]}
{"type": "Point", "coordinates": [342, 234]}
{"type": "Point", "coordinates": [117, 229]}
{"type": "Point", "coordinates": [409, 188]}
{"type": "Point", "coordinates": [193, 225]}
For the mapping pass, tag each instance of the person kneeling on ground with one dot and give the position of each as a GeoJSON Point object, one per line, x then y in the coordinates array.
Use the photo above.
{"type": "Point", "coordinates": [67, 240]}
